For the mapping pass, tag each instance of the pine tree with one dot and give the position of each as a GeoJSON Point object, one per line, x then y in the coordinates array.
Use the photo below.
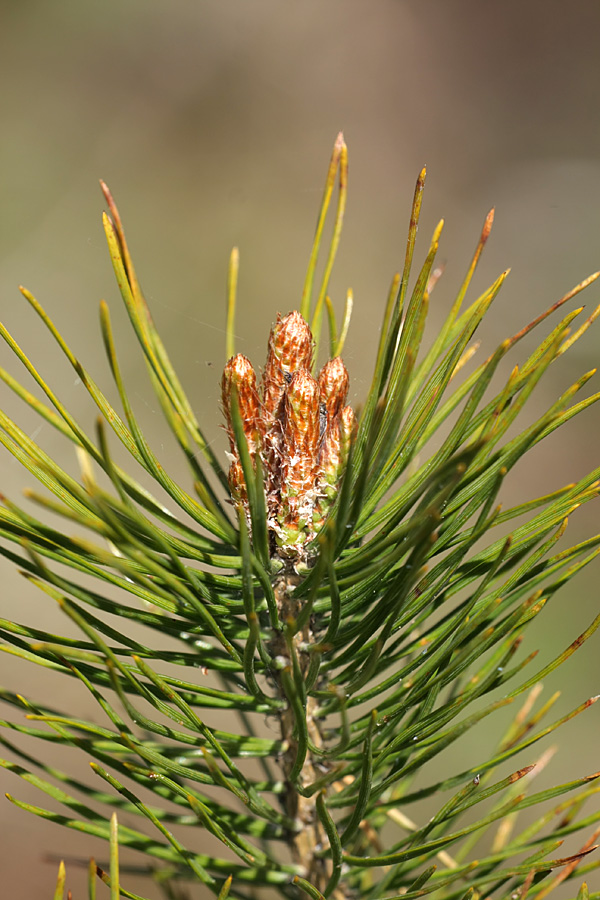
{"type": "Point", "coordinates": [337, 576]}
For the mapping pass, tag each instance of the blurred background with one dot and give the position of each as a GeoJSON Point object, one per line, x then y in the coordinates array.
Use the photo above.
{"type": "Point", "coordinates": [213, 122]}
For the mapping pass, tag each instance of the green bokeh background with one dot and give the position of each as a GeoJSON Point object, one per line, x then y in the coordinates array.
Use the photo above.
{"type": "Point", "coordinates": [213, 122]}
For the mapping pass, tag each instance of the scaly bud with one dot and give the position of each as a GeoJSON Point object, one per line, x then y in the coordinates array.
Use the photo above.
{"type": "Point", "coordinates": [239, 374]}
{"type": "Point", "coordinates": [330, 460]}
{"type": "Point", "coordinates": [301, 414]}
{"type": "Point", "coordinates": [333, 386]}
{"type": "Point", "coordinates": [299, 462]}
{"type": "Point", "coordinates": [239, 383]}
{"type": "Point", "coordinates": [290, 349]}
{"type": "Point", "coordinates": [333, 456]}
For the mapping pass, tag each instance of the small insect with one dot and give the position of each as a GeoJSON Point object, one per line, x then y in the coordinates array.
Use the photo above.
{"type": "Point", "coordinates": [322, 420]}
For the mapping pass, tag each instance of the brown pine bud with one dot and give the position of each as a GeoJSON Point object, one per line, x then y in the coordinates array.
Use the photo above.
{"type": "Point", "coordinates": [330, 459]}
{"type": "Point", "coordinates": [333, 456]}
{"type": "Point", "coordinates": [301, 408]}
{"type": "Point", "coordinates": [290, 349]}
{"type": "Point", "coordinates": [333, 386]}
{"type": "Point", "coordinates": [239, 374]}
{"type": "Point", "coordinates": [299, 462]}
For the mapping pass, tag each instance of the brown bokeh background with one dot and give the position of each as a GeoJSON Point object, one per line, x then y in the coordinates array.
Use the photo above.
{"type": "Point", "coordinates": [213, 122]}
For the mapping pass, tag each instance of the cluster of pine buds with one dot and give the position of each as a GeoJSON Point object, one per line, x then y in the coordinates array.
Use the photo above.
{"type": "Point", "coordinates": [299, 429]}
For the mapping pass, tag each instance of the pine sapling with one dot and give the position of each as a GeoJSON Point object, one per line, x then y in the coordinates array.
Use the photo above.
{"type": "Point", "coordinates": [342, 574]}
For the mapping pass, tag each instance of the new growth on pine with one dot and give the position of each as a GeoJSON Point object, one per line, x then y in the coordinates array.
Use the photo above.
{"type": "Point", "coordinates": [297, 429]}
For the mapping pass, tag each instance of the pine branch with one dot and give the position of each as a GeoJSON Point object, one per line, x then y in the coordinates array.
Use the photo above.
{"type": "Point", "coordinates": [350, 577]}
